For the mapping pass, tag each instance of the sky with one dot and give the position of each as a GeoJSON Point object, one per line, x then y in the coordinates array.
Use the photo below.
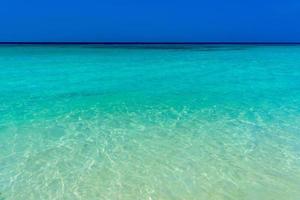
{"type": "Point", "coordinates": [150, 21]}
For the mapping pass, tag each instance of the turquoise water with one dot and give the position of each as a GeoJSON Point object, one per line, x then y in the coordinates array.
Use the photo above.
{"type": "Point", "coordinates": [211, 122]}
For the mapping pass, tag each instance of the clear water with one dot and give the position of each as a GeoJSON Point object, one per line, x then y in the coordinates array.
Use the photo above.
{"type": "Point", "coordinates": [149, 122]}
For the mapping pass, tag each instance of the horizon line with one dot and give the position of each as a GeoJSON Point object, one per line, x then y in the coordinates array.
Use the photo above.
{"type": "Point", "coordinates": [120, 43]}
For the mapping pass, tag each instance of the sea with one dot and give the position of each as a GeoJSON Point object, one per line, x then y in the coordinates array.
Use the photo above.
{"type": "Point", "coordinates": [149, 122]}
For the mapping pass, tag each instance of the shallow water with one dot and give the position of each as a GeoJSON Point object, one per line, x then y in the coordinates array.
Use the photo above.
{"type": "Point", "coordinates": [211, 122]}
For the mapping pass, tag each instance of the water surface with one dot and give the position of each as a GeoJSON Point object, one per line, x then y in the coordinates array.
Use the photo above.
{"type": "Point", "coordinates": [211, 122]}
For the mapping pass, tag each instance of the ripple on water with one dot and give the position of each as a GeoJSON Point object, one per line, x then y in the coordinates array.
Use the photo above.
{"type": "Point", "coordinates": [157, 153]}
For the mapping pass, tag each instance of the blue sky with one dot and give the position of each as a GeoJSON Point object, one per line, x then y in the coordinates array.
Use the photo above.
{"type": "Point", "coordinates": [150, 21]}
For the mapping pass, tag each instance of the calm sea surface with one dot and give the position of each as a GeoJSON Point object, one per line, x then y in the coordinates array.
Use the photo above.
{"type": "Point", "coordinates": [147, 122]}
